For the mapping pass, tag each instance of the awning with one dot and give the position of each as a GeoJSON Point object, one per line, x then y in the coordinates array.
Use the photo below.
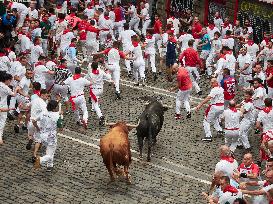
{"type": "Point", "coordinates": [267, 1]}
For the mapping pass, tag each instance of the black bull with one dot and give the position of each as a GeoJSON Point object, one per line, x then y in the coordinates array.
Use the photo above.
{"type": "Point", "coordinates": [151, 122]}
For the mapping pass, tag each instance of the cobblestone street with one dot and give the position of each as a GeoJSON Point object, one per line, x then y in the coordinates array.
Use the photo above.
{"type": "Point", "coordinates": [180, 169]}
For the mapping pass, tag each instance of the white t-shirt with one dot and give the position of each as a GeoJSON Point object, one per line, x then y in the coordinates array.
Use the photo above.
{"type": "Point", "coordinates": [176, 24]}
{"type": "Point", "coordinates": [66, 40]}
{"type": "Point", "coordinates": [227, 167]}
{"type": "Point", "coordinates": [77, 86]}
{"type": "Point", "coordinates": [133, 11]}
{"type": "Point", "coordinates": [4, 63]}
{"type": "Point", "coordinates": [19, 6]}
{"type": "Point", "coordinates": [24, 84]}
{"type": "Point", "coordinates": [252, 50]}
{"type": "Point", "coordinates": [97, 79]}
{"type": "Point", "coordinates": [216, 46]}
{"type": "Point", "coordinates": [232, 119]}
{"type": "Point", "coordinates": [17, 69]}
{"type": "Point", "coordinates": [150, 46]}
{"type": "Point", "coordinates": [25, 43]}
{"type": "Point", "coordinates": [89, 13]}
{"type": "Point", "coordinates": [217, 94]}
{"type": "Point", "coordinates": [36, 52]}
{"type": "Point", "coordinates": [259, 93]}
{"type": "Point", "coordinates": [5, 91]}
{"type": "Point", "coordinates": [248, 107]}
{"type": "Point", "coordinates": [242, 60]}
{"type": "Point", "coordinates": [125, 38]}
{"type": "Point", "coordinates": [145, 12]}
{"type": "Point", "coordinates": [40, 72]}
{"type": "Point", "coordinates": [33, 13]}
{"type": "Point", "coordinates": [38, 107]}
{"type": "Point", "coordinates": [266, 119]}
{"type": "Point", "coordinates": [212, 32]}
{"type": "Point", "coordinates": [218, 22]}
{"type": "Point", "coordinates": [184, 39]}
{"type": "Point", "coordinates": [228, 42]}
{"type": "Point", "coordinates": [229, 197]}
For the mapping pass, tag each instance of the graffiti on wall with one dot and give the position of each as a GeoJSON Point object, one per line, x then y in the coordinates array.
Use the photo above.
{"type": "Point", "coordinates": [260, 17]}
{"type": "Point", "coordinates": [213, 8]}
{"type": "Point", "coordinates": [180, 6]}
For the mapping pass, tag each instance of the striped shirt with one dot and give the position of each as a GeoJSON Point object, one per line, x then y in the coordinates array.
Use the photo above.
{"type": "Point", "coordinates": [61, 74]}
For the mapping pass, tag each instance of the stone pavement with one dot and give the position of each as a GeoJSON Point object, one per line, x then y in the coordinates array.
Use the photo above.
{"type": "Point", "coordinates": [180, 169]}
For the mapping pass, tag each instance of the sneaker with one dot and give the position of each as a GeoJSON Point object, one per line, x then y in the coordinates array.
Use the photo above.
{"type": "Point", "coordinates": [118, 96]}
{"type": "Point", "coordinates": [155, 77]}
{"type": "Point", "coordinates": [102, 120]}
{"type": "Point", "coordinates": [49, 168]}
{"type": "Point", "coordinates": [207, 139]}
{"type": "Point", "coordinates": [37, 163]}
{"type": "Point", "coordinates": [178, 116]}
{"type": "Point", "coordinates": [16, 128]}
{"type": "Point", "coordinates": [188, 115]}
{"type": "Point", "coordinates": [28, 146]}
{"type": "Point", "coordinates": [10, 116]}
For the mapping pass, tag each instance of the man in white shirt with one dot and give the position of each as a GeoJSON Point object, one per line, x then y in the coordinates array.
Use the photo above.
{"type": "Point", "coordinates": [77, 99]}
{"type": "Point", "coordinates": [265, 117]}
{"type": "Point", "coordinates": [66, 38]}
{"type": "Point", "coordinates": [258, 96]}
{"type": "Point", "coordinates": [36, 51]}
{"type": "Point", "coordinates": [22, 12]}
{"type": "Point", "coordinates": [247, 109]}
{"type": "Point", "coordinates": [106, 26]}
{"type": "Point", "coordinates": [5, 62]}
{"type": "Point", "coordinates": [232, 123]}
{"type": "Point", "coordinates": [32, 12]}
{"type": "Point", "coordinates": [125, 38]}
{"type": "Point", "coordinates": [134, 19]}
{"type": "Point", "coordinates": [40, 72]}
{"type": "Point", "coordinates": [184, 40]}
{"type": "Point", "coordinates": [252, 49]}
{"type": "Point", "coordinates": [214, 110]}
{"type": "Point", "coordinates": [97, 77]}
{"type": "Point", "coordinates": [144, 15]}
{"type": "Point", "coordinates": [245, 68]}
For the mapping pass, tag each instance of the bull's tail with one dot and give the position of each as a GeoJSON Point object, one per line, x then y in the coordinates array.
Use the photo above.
{"type": "Point", "coordinates": [111, 165]}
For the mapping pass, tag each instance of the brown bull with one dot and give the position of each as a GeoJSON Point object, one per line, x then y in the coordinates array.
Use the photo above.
{"type": "Point", "coordinates": [115, 149]}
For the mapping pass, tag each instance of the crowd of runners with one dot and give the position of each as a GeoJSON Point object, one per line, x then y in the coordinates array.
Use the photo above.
{"type": "Point", "coordinates": [41, 70]}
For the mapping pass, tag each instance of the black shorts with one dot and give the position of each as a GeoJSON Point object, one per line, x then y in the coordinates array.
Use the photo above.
{"type": "Point", "coordinates": [170, 61]}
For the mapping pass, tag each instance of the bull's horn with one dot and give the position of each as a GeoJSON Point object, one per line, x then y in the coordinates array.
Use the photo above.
{"type": "Point", "coordinates": [166, 106]}
{"type": "Point", "coordinates": [133, 126]}
{"type": "Point", "coordinates": [108, 124]}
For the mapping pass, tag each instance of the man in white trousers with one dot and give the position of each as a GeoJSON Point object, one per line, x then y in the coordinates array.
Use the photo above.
{"type": "Point", "coordinates": [214, 110]}
{"type": "Point", "coordinates": [144, 15]}
{"type": "Point", "coordinates": [184, 86]}
{"type": "Point", "coordinates": [114, 55]}
{"type": "Point", "coordinates": [232, 123]}
{"type": "Point", "coordinates": [134, 19]}
{"type": "Point", "coordinates": [77, 99]}
{"type": "Point", "coordinates": [97, 77]}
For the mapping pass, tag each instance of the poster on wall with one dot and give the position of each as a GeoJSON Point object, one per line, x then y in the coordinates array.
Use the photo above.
{"type": "Point", "coordinates": [180, 6]}
{"type": "Point", "coordinates": [260, 16]}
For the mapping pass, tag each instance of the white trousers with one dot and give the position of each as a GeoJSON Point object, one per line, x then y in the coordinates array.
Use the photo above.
{"type": "Point", "coordinates": [182, 97]}
{"type": "Point", "coordinates": [245, 127]}
{"type": "Point", "coordinates": [210, 62]}
{"type": "Point", "coordinates": [118, 27]}
{"type": "Point", "coordinates": [115, 73]}
{"type": "Point", "coordinates": [3, 118]}
{"type": "Point", "coordinates": [243, 80]}
{"type": "Point", "coordinates": [48, 158]}
{"type": "Point", "coordinates": [231, 139]}
{"type": "Point", "coordinates": [139, 70]}
{"type": "Point", "coordinates": [194, 74]}
{"type": "Point", "coordinates": [213, 118]}
{"type": "Point", "coordinates": [133, 24]}
{"type": "Point", "coordinates": [61, 90]}
{"type": "Point", "coordinates": [151, 58]}
{"type": "Point", "coordinates": [145, 25]}
{"type": "Point", "coordinates": [44, 46]}
{"type": "Point", "coordinates": [80, 104]}
{"type": "Point", "coordinates": [158, 41]}
{"type": "Point", "coordinates": [270, 92]}
{"type": "Point", "coordinates": [127, 62]}
{"type": "Point", "coordinates": [95, 105]}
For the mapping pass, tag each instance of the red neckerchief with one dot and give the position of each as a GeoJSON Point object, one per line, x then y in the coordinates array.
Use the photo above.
{"type": "Point", "coordinates": [106, 17]}
{"type": "Point", "coordinates": [37, 92]}
{"type": "Point", "coordinates": [59, 6]}
{"type": "Point", "coordinates": [72, 45]}
{"type": "Point", "coordinates": [266, 184]}
{"type": "Point", "coordinates": [149, 36]}
{"type": "Point", "coordinates": [72, 15]}
{"type": "Point", "coordinates": [172, 39]}
{"type": "Point", "coordinates": [60, 20]}
{"type": "Point", "coordinates": [169, 31]}
{"type": "Point", "coordinates": [45, 21]}
{"type": "Point", "coordinates": [250, 42]}
{"type": "Point", "coordinates": [229, 52]}
{"type": "Point", "coordinates": [135, 44]}
{"type": "Point", "coordinates": [217, 17]}
{"type": "Point", "coordinates": [172, 17]}
{"type": "Point", "coordinates": [95, 71]}
{"type": "Point", "coordinates": [223, 56]}
{"type": "Point", "coordinates": [2, 54]}
{"type": "Point", "coordinates": [259, 86]}
{"type": "Point", "coordinates": [248, 101]}
{"type": "Point", "coordinates": [230, 189]}
{"type": "Point", "coordinates": [226, 24]}
{"type": "Point", "coordinates": [61, 66]}
{"type": "Point", "coordinates": [227, 37]}
{"type": "Point", "coordinates": [233, 109]}
{"type": "Point", "coordinates": [211, 26]}
{"type": "Point", "coordinates": [266, 39]}
{"type": "Point", "coordinates": [76, 76]}
{"type": "Point", "coordinates": [228, 159]}
{"type": "Point", "coordinates": [267, 109]}
{"type": "Point", "coordinates": [89, 6]}
{"type": "Point", "coordinates": [38, 63]}
{"type": "Point", "coordinates": [66, 31]}
{"type": "Point", "coordinates": [7, 49]}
